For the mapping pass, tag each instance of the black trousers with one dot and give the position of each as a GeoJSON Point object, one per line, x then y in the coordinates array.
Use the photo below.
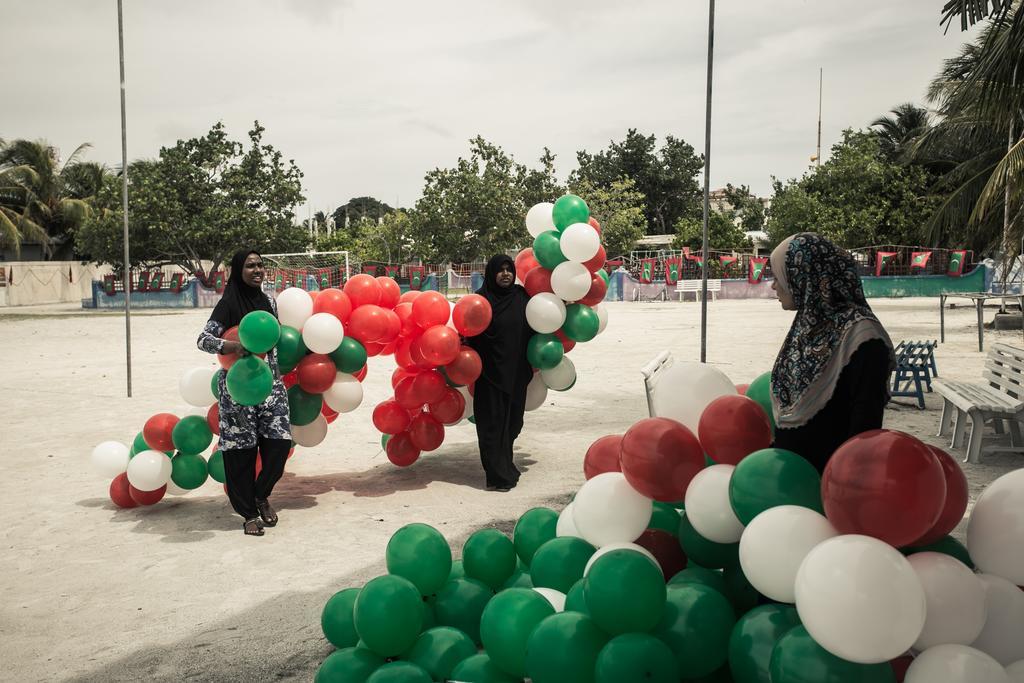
{"type": "Point", "coordinates": [499, 420]}
{"type": "Point", "coordinates": [244, 487]}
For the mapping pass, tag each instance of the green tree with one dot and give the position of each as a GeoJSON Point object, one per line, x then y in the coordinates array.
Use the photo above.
{"type": "Point", "coordinates": [747, 210]}
{"type": "Point", "coordinates": [388, 240]}
{"type": "Point", "coordinates": [897, 133]}
{"type": "Point", "coordinates": [620, 210]}
{"type": "Point", "coordinates": [723, 233]}
{"type": "Point", "coordinates": [358, 208]}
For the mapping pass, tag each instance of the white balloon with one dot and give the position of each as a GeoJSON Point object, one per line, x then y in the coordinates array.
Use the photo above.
{"type": "Point", "coordinates": [566, 526]}
{"type": "Point", "coordinates": [955, 598]}
{"type": "Point", "coordinates": [538, 218]}
{"type": "Point", "coordinates": [995, 532]}
{"type": "Point", "coordinates": [149, 470]}
{"type": "Point", "coordinates": [579, 242]}
{"type": "Point", "coordinates": [556, 598]}
{"type": "Point", "coordinates": [685, 390]}
{"type": "Point", "coordinates": [708, 507]}
{"type": "Point", "coordinates": [570, 281]}
{"type": "Point", "coordinates": [608, 510]}
{"type": "Point", "coordinates": [774, 545]}
{"type": "Point", "coordinates": [860, 599]}
{"type": "Point", "coordinates": [536, 392]}
{"type": "Point", "coordinates": [175, 490]}
{"type": "Point", "coordinates": [560, 377]}
{"type": "Point", "coordinates": [312, 434]}
{"type": "Point", "coordinates": [294, 307]}
{"type": "Point", "coordinates": [194, 386]}
{"type": "Point", "coordinates": [1016, 672]}
{"type": "Point", "coordinates": [605, 549]}
{"type": "Point", "coordinates": [1002, 637]}
{"type": "Point", "coordinates": [602, 317]}
{"type": "Point", "coordinates": [322, 333]}
{"type": "Point", "coordinates": [955, 664]}
{"type": "Point", "coordinates": [345, 394]}
{"type": "Point", "coordinates": [545, 313]}
{"type": "Point", "coordinates": [110, 458]}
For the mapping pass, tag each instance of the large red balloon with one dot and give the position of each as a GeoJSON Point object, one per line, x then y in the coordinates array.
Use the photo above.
{"type": "Point", "coordinates": [408, 297]}
{"type": "Point", "coordinates": [361, 375]}
{"type": "Point", "coordinates": [597, 262]}
{"type": "Point", "coordinates": [390, 292]}
{"type": "Point", "coordinates": [448, 410]}
{"type": "Point", "coordinates": [602, 456]}
{"type": "Point", "coordinates": [405, 395]}
{"type": "Point", "coordinates": [525, 261]}
{"type": "Point", "coordinates": [213, 418]}
{"type": "Point", "coordinates": [290, 379]}
{"type": "Point", "coordinates": [598, 288]}
{"type": "Point", "coordinates": [666, 550]}
{"type": "Point", "coordinates": [403, 355]}
{"type": "Point", "coordinates": [367, 323]}
{"type": "Point", "coordinates": [741, 389]}
{"type": "Point", "coordinates": [390, 418]}
{"type": "Point", "coordinates": [399, 374]}
{"type": "Point", "coordinates": [429, 309]}
{"type": "Point", "coordinates": [226, 360]}
{"type": "Point", "coordinates": [147, 497]}
{"type": "Point", "coordinates": [471, 315]}
{"type": "Point", "coordinates": [659, 457]}
{"type": "Point", "coordinates": [440, 344]}
{"type": "Point", "coordinates": [567, 344]}
{"type": "Point", "coordinates": [393, 328]}
{"type": "Point", "coordinates": [885, 484]}
{"type": "Point", "coordinates": [316, 373]}
{"type": "Point", "coordinates": [404, 313]}
{"type": "Point", "coordinates": [416, 353]}
{"type": "Point", "coordinates": [335, 302]}
{"type": "Point", "coordinates": [363, 290]}
{"type": "Point", "coordinates": [466, 367]}
{"type": "Point", "coordinates": [157, 431]}
{"type": "Point", "coordinates": [329, 413]}
{"type": "Point", "coordinates": [594, 224]}
{"type": "Point", "coordinates": [429, 386]}
{"type": "Point", "coordinates": [538, 281]}
{"type": "Point", "coordinates": [956, 498]}
{"type": "Point", "coordinates": [119, 492]}
{"type": "Point", "coordinates": [732, 427]}
{"type": "Point", "coordinates": [425, 432]}
{"type": "Point", "coordinates": [401, 451]}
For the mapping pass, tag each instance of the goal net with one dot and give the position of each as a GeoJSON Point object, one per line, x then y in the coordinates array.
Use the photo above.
{"type": "Point", "coordinates": [311, 271]}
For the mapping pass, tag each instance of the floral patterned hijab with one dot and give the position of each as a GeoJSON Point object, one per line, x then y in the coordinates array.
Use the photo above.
{"type": "Point", "coordinates": [832, 320]}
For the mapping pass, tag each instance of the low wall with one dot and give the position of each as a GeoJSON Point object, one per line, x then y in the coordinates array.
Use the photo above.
{"type": "Point", "coordinates": [978, 280]}
{"type": "Point", "coordinates": [30, 283]}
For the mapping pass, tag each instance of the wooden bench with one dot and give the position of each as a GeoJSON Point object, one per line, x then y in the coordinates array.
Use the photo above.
{"type": "Point", "coordinates": [695, 286]}
{"type": "Point", "coordinates": [999, 397]}
{"type": "Point", "coordinates": [915, 366]}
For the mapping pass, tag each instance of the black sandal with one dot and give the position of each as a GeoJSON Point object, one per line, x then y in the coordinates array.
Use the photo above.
{"type": "Point", "coordinates": [266, 512]}
{"type": "Point", "coordinates": [252, 527]}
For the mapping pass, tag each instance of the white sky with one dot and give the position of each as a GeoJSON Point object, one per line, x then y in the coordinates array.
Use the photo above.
{"type": "Point", "coordinates": [367, 96]}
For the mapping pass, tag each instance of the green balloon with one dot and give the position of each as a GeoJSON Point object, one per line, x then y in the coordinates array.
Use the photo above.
{"type": "Point", "coordinates": [506, 624]}
{"type": "Point", "coordinates": [191, 435]}
{"type": "Point", "coordinates": [480, 669]}
{"type": "Point", "coordinates": [772, 477]}
{"type": "Point", "coordinates": [384, 438]}
{"type": "Point", "coordinates": [625, 592]}
{"type": "Point", "coordinates": [188, 470]}
{"type": "Point", "coordinates": [544, 351]}
{"type": "Point", "coordinates": [290, 348]}
{"type": "Point", "coordinates": [947, 545]}
{"type": "Point", "coordinates": [303, 407]}
{"type": "Point", "coordinates": [547, 250]}
{"type": "Point", "coordinates": [458, 571]}
{"type": "Point", "coordinates": [535, 528]}
{"type": "Point", "coordinates": [429, 617]}
{"type": "Point", "coordinates": [796, 658]}
{"type": "Point", "coordinates": [519, 579]}
{"type": "Point", "coordinates": [259, 331]}
{"type": "Point", "coordinates": [460, 604]}
{"type": "Point", "coordinates": [696, 625]}
{"type": "Point", "coordinates": [439, 649]}
{"type": "Point", "coordinates": [564, 649]}
{"type": "Point", "coordinates": [389, 615]}
{"type": "Point", "coordinates": [560, 562]}
{"type": "Point", "coordinates": [215, 466]}
{"type": "Point", "coordinates": [636, 657]}
{"type": "Point", "coordinates": [351, 665]}
{"type": "Point", "coordinates": [723, 675]}
{"type": "Point", "coordinates": [400, 672]}
{"type": "Point", "coordinates": [743, 596]}
{"type": "Point", "coordinates": [215, 382]}
{"type": "Point", "coordinates": [338, 619]}
{"type": "Point", "coordinates": [420, 553]}
{"type": "Point", "coordinates": [576, 598]}
{"type": "Point", "coordinates": [754, 637]}
{"type": "Point", "coordinates": [490, 557]}
{"type": "Point", "coordinates": [250, 381]}
{"type": "Point", "coordinates": [664, 517]}
{"type": "Point", "coordinates": [581, 322]}
{"type": "Point", "coordinates": [603, 274]}
{"type": "Point", "coordinates": [707, 577]}
{"type": "Point", "coordinates": [138, 445]}
{"type": "Point", "coordinates": [569, 209]}
{"type": "Point", "coordinates": [704, 552]}
{"type": "Point", "coordinates": [350, 356]}
{"type": "Point", "coordinates": [471, 419]}
{"type": "Point", "coordinates": [760, 390]}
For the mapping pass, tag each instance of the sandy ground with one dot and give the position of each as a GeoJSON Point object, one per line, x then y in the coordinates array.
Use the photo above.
{"type": "Point", "coordinates": [175, 591]}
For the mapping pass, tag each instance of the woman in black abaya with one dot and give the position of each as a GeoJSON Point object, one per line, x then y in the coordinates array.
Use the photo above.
{"type": "Point", "coordinates": [499, 397]}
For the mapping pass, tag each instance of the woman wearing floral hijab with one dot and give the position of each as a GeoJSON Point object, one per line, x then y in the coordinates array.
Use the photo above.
{"type": "Point", "coordinates": [830, 380]}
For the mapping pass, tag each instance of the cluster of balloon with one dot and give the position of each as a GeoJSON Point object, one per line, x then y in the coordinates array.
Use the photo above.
{"type": "Point", "coordinates": [433, 383]}
{"type": "Point", "coordinates": [563, 272]}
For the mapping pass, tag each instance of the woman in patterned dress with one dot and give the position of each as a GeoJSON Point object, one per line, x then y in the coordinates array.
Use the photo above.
{"type": "Point", "coordinates": [248, 430]}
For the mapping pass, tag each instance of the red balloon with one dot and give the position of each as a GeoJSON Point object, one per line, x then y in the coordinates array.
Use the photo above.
{"type": "Point", "coordinates": [290, 379]}
{"type": "Point", "coordinates": [439, 344]}
{"type": "Point", "coordinates": [956, 498]}
{"type": "Point", "coordinates": [361, 375]}
{"type": "Point", "coordinates": [373, 349]}
{"type": "Point", "coordinates": [330, 414]}
{"type": "Point", "coordinates": [147, 497]}
{"type": "Point", "coordinates": [425, 432]}
{"type": "Point", "coordinates": [525, 261]}
{"type": "Point", "coordinates": [401, 451]}
{"type": "Point", "coordinates": [733, 427]}
{"type": "Point", "coordinates": [335, 302]}
{"type": "Point", "coordinates": [390, 292]}
{"type": "Point", "coordinates": [363, 290]}
{"type": "Point", "coordinates": [448, 410]}
{"type": "Point", "coordinates": [567, 344]}
{"type": "Point", "coordinates": [408, 297]}
{"type": "Point", "coordinates": [666, 550]}
{"type": "Point", "coordinates": [741, 389]}
{"type": "Point", "coordinates": [157, 431]}
{"type": "Point", "coordinates": [597, 262]}
{"type": "Point", "coordinates": [602, 456]}
{"type": "Point", "coordinates": [538, 281]}
{"type": "Point", "coordinates": [416, 353]}
{"type": "Point", "coordinates": [393, 328]}
{"type": "Point", "coordinates": [313, 294]}
{"type": "Point", "coordinates": [900, 666]}
{"type": "Point", "coordinates": [316, 373]}
{"type": "Point", "coordinates": [598, 288]}
{"type": "Point", "coordinates": [885, 484]}
{"type": "Point", "coordinates": [367, 323]}
{"type": "Point", "coordinates": [429, 386]}
{"type": "Point", "coordinates": [405, 395]}
{"type": "Point", "coordinates": [403, 355]}
{"type": "Point", "coordinates": [213, 418]}
{"type": "Point", "coordinates": [389, 348]}
{"type": "Point", "coordinates": [659, 457]}
{"type": "Point", "coordinates": [119, 492]}
{"type": "Point", "coordinates": [259, 464]}
{"type": "Point", "coordinates": [429, 309]}
{"type": "Point", "coordinates": [226, 360]}
{"type": "Point", "coordinates": [471, 315]}
{"type": "Point", "coordinates": [390, 418]}
{"type": "Point", "coordinates": [404, 313]}
{"type": "Point", "coordinates": [471, 388]}
{"type": "Point", "coordinates": [594, 224]}
{"type": "Point", "coordinates": [466, 367]}
{"type": "Point", "coordinates": [399, 374]}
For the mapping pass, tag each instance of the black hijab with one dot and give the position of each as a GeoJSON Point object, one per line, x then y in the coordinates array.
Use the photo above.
{"type": "Point", "coordinates": [502, 346]}
{"type": "Point", "coordinates": [239, 298]}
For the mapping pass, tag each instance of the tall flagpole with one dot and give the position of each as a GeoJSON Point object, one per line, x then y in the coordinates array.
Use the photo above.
{"type": "Point", "coordinates": [707, 191]}
{"type": "Point", "coordinates": [124, 208]}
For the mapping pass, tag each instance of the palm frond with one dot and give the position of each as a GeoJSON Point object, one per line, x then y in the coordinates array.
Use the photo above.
{"type": "Point", "coordinates": [1007, 173]}
{"type": "Point", "coordinates": [955, 211]}
{"type": "Point", "coordinates": [971, 12]}
{"type": "Point", "coordinates": [73, 157]}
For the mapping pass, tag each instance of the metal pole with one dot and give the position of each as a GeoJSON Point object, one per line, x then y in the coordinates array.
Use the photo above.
{"type": "Point", "coordinates": [124, 208]}
{"type": "Point", "coordinates": [707, 191]}
{"type": "Point", "coordinates": [821, 81]}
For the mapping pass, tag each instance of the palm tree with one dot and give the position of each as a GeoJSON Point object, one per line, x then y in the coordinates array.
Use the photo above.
{"type": "Point", "coordinates": [895, 133]}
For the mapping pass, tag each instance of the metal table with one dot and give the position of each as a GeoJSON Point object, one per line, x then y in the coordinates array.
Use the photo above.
{"type": "Point", "coordinates": [979, 299]}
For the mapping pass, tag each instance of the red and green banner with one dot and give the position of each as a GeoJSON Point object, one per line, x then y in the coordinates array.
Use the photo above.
{"type": "Point", "coordinates": [325, 278]}
{"type": "Point", "coordinates": [156, 281]}
{"type": "Point", "coordinates": [727, 261]}
{"type": "Point", "coordinates": [278, 282]}
{"type": "Point", "coordinates": [416, 277]}
{"type": "Point", "coordinates": [699, 260]}
{"type": "Point", "coordinates": [882, 259]}
{"type": "Point", "coordinates": [143, 283]}
{"type": "Point", "coordinates": [919, 259]}
{"type": "Point", "coordinates": [686, 253]}
{"type": "Point", "coordinates": [956, 262]}
{"type": "Point", "coordinates": [755, 269]}
{"type": "Point", "coordinates": [392, 271]}
{"type": "Point", "coordinates": [177, 281]}
{"type": "Point", "coordinates": [673, 267]}
{"type": "Point", "coordinates": [370, 269]}
{"type": "Point", "coordinates": [218, 281]}
{"type": "Point", "coordinates": [647, 271]}
{"type": "Point", "coordinates": [108, 285]}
